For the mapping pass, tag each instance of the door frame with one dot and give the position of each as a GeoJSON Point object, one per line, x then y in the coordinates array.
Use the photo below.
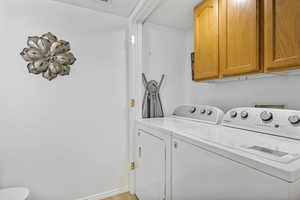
{"type": "Point", "coordinates": [134, 74]}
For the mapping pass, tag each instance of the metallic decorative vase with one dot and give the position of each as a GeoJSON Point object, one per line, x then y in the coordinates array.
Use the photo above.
{"type": "Point", "coordinates": [48, 56]}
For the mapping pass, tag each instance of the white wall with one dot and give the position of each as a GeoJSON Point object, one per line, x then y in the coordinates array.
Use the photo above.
{"type": "Point", "coordinates": [277, 90]}
{"type": "Point", "coordinates": [163, 53]}
{"type": "Point", "coordinates": [64, 139]}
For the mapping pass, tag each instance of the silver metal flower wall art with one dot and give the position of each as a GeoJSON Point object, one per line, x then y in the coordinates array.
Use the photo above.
{"type": "Point", "coordinates": [48, 56]}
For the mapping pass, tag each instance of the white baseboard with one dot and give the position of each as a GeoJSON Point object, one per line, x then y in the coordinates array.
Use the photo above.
{"type": "Point", "coordinates": [106, 194]}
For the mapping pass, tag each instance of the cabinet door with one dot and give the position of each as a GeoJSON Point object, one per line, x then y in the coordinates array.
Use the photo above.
{"type": "Point", "coordinates": [239, 37]}
{"type": "Point", "coordinates": [150, 171]}
{"type": "Point", "coordinates": [282, 35]}
{"type": "Point", "coordinates": [200, 174]}
{"type": "Point", "coordinates": [206, 65]}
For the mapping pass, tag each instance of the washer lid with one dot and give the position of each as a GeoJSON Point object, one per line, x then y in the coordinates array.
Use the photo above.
{"type": "Point", "coordinates": [278, 149]}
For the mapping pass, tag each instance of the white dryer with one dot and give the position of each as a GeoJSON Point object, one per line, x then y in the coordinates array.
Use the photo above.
{"type": "Point", "coordinates": [154, 147]}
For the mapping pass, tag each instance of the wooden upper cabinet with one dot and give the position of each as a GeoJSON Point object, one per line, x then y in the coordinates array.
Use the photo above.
{"type": "Point", "coordinates": [282, 35]}
{"type": "Point", "coordinates": [206, 64]}
{"type": "Point", "coordinates": [239, 37]}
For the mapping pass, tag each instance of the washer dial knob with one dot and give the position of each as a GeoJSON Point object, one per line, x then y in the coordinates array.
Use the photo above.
{"type": "Point", "coordinates": [209, 112]}
{"type": "Point", "coordinates": [244, 114]}
{"type": "Point", "coordinates": [294, 119]}
{"type": "Point", "coordinates": [202, 111]}
{"type": "Point", "coordinates": [193, 109]}
{"type": "Point", "coordinates": [266, 116]}
{"type": "Point", "coordinates": [233, 114]}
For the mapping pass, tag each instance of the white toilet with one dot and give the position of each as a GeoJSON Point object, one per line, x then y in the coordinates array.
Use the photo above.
{"type": "Point", "coordinates": [14, 194]}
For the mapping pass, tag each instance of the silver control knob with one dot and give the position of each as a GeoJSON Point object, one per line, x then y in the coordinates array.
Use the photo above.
{"type": "Point", "coordinates": [202, 111]}
{"type": "Point", "coordinates": [209, 112]}
{"type": "Point", "coordinates": [244, 114]}
{"type": "Point", "coordinates": [193, 109]}
{"type": "Point", "coordinates": [294, 119]}
{"type": "Point", "coordinates": [233, 114]}
{"type": "Point", "coordinates": [266, 116]}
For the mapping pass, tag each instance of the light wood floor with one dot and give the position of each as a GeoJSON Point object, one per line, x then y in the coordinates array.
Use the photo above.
{"type": "Point", "coordinates": [125, 196]}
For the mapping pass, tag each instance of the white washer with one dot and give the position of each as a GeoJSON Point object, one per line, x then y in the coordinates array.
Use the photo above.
{"type": "Point", "coordinates": [253, 156]}
{"type": "Point", "coordinates": [154, 147]}
{"type": "Point", "coordinates": [271, 135]}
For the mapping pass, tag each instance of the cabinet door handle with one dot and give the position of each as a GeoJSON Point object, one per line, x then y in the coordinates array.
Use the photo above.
{"type": "Point", "coordinates": [140, 152]}
{"type": "Point", "coordinates": [175, 145]}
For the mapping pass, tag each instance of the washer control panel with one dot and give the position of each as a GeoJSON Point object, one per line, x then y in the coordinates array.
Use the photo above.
{"type": "Point", "coordinates": [285, 123]}
{"type": "Point", "coordinates": [204, 113]}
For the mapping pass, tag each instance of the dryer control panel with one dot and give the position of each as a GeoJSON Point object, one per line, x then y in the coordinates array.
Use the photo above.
{"type": "Point", "coordinates": [203, 113]}
{"type": "Point", "coordinates": [285, 123]}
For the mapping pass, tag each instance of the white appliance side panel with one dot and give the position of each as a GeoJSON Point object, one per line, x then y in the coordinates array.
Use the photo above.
{"type": "Point", "coordinates": [151, 167]}
{"type": "Point", "coordinates": [295, 191]}
{"type": "Point", "coordinates": [200, 174]}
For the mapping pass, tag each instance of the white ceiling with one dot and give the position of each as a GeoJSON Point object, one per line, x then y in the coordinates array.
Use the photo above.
{"type": "Point", "coordinates": [117, 7]}
{"type": "Point", "coordinates": [175, 13]}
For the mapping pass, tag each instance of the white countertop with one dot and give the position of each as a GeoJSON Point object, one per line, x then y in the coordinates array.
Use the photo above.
{"type": "Point", "coordinates": [234, 143]}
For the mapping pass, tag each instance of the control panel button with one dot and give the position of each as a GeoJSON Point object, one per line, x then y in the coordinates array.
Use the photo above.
{"type": "Point", "coordinates": [266, 116]}
{"type": "Point", "coordinates": [209, 112]}
{"type": "Point", "coordinates": [294, 119]}
{"type": "Point", "coordinates": [233, 114]}
{"type": "Point", "coordinates": [244, 114]}
{"type": "Point", "coordinates": [202, 111]}
{"type": "Point", "coordinates": [193, 109]}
